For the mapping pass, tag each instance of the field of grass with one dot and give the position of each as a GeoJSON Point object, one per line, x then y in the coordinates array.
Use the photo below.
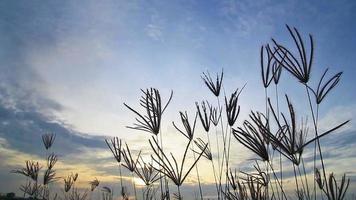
{"type": "Point", "coordinates": [278, 139]}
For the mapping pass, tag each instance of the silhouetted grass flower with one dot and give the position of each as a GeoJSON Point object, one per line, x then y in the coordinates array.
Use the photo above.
{"type": "Point", "coordinates": [169, 168]}
{"type": "Point", "coordinates": [146, 173]}
{"type": "Point", "coordinates": [48, 140]}
{"type": "Point", "coordinates": [292, 140]}
{"type": "Point", "coordinates": [130, 163]}
{"type": "Point", "coordinates": [50, 174]}
{"type": "Point", "coordinates": [299, 68]}
{"type": "Point", "coordinates": [68, 183]}
{"type": "Point", "coordinates": [188, 128]}
{"type": "Point", "coordinates": [202, 146]}
{"type": "Point", "coordinates": [31, 170]}
{"type": "Point", "coordinates": [232, 108]}
{"type": "Point", "coordinates": [204, 114]}
{"type": "Point", "coordinates": [94, 184]}
{"type": "Point", "coordinates": [213, 87]}
{"type": "Point", "coordinates": [323, 89]}
{"type": "Point", "coordinates": [215, 115]}
{"type": "Point", "coordinates": [253, 136]}
{"type": "Point", "coordinates": [150, 121]}
{"type": "Point", "coordinates": [115, 146]}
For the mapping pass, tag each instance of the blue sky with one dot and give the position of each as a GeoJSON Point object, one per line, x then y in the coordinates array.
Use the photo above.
{"type": "Point", "coordinates": [75, 62]}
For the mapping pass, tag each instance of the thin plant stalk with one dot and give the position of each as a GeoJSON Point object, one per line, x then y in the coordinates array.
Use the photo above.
{"type": "Point", "coordinates": [217, 147]}
{"type": "Point", "coordinates": [295, 177]}
{"type": "Point", "coordinates": [160, 174]}
{"type": "Point", "coordinates": [212, 164]}
{"type": "Point", "coordinates": [121, 189]}
{"type": "Point", "coordinates": [224, 149]}
{"type": "Point", "coordinates": [196, 168]}
{"type": "Point", "coordinates": [305, 177]}
{"type": "Point", "coordinates": [276, 178]}
{"type": "Point", "coordinates": [317, 135]}
{"type": "Point", "coordinates": [133, 184]}
{"type": "Point", "coordinates": [280, 155]}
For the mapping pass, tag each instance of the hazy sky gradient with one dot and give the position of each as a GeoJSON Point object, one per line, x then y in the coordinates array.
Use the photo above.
{"type": "Point", "coordinates": [76, 62]}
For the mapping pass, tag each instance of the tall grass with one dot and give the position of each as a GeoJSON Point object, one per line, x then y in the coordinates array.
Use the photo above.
{"type": "Point", "coordinates": [269, 134]}
{"type": "Point", "coordinates": [274, 134]}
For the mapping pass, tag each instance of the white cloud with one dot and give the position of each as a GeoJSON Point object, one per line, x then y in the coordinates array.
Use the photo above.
{"type": "Point", "coordinates": [154, 32]}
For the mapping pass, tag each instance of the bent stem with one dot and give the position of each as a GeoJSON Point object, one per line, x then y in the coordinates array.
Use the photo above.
{"type": "Point", "coordinates": [317, 140]}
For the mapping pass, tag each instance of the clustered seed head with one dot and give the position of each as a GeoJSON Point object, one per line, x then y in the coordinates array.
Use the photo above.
{"type": "Point", "coordinates": [150, 121]}
{"type": "Point", "coordinates": [213, 87]}
{"type": "Point", "coordinates": [189, 129]}
{"type": "Point", "coordinates": [115, 146]}
{"type": "Point", "coordinates": [48, 140]}
{"type": "Point", "coordinates": [232, 108]}
{"type": "Point", "coordinates": [93, 184]}
{"type": "Point", "coordinates": [204, 114]}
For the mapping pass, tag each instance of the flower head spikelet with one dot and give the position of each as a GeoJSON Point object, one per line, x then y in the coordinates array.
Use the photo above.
{"type": "Point", "coordinates": [150, 119]}
{"type": "Point", "coordinates": [213, 87]}
{"type": "Point", "coordinates": [189, 129]}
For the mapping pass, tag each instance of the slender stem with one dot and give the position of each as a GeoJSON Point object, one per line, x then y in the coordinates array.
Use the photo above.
{"type": "Point", "coordinates": [160, 174]}
{"type": "Point", "coordinates": [217, 147]}
{"type": "Point", "coordinates": [268, 180]}
{"type": "Point", "coordinates": [301, 180]}
{"type": "Point", "coordinates": [147, 192]}
{"type": "Point", "coordinates": [121, 189]}
{"type": "Point", "coordinates": [224, 150]}
{"type": "Point", "coordinates": [179, 195]}
{"type": "Point", "coordinates": [316, 135]}
{"type": "Point", "coordinates": [306, 179]}
{"type": "Point", "coordinates": [133, 184]}
{"type": "Point", "coordinates": [212, 163]}
{"type": "Point", "coordinates": [280, 155]}
{"type": "Point", "coordinates": [276, 178]}
{"type": "Point", "coordinates": [296, 180]}
{"type": "Point", "coordinates": [196, 168]}
{"type": "Point", "coordinates": [266, 100]}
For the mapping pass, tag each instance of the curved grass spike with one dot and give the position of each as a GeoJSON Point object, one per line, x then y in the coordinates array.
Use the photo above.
{"type": "Point", "coordinates": [48, 140]}
{"type": "Point", "coordinates": [299, 68]}
{"type": "Point", "coordinates": [115, 146]}
{"type": "Point", "coordinates": [68, 183]}
{"type": "Point", "coordinates": [266, 69]}
{"type": "Point", "coordinates": [150, 120]}
{"type": "Point", "coordinates": [323, 89]}
{"type": "Point", "coordinates": [170, 168]}
{"type": "Point", "coordinates": [189, 130]}
{"type": "Point", "coordinates": [204, 114]}
{"type": "Point", "coordinates": [94, 184]}
{"type": "Point", "coordinates": [215, 115]}
{"type": "Point", "coordinates": [293, 140]}
{"type": "Point", "coordinates": [259, 176]}
{"type": "Point", "coordinates": [337, 192]}
{"type": "Point", "coordinates": [31, 170]}
{"type": "Point", "coordinates": [206, 151]}
{"type": "Point", "coordinates": [49, 175]}
{"type": "Point", "coordinates": [232, 108]}
{"type": "Point", "coordinates": [253, 137]}
{"type": "Point", "coordinates": [277, 71]}
{"type": "Point", "coordinates": [146, 172]}
{"type": "Point", "coordinates": [232, 179]}
{"type": "Point", "coordinates": [213, 87]}
{"type": "Point", "coordinates": [130, 163]}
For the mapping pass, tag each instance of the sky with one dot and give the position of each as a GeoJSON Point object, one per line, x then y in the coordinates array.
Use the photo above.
{"type": "Point", "coordinates": [68, 66]}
